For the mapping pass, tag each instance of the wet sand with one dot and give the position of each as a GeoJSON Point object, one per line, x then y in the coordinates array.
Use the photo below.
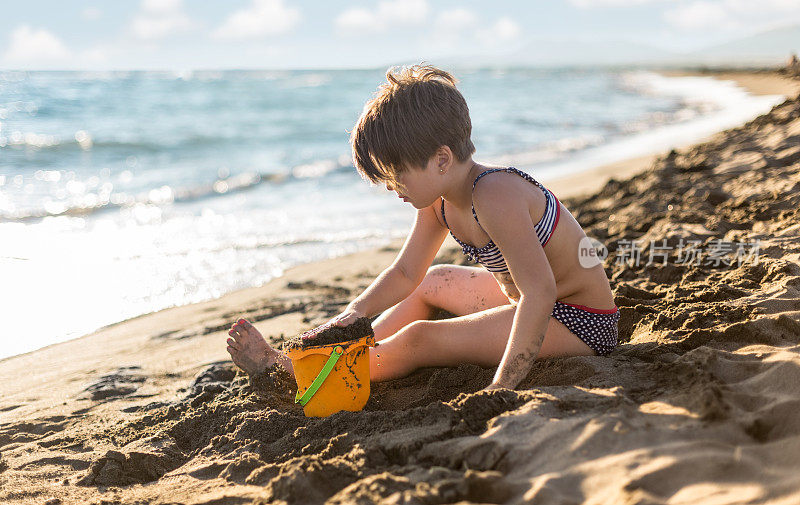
{"type": "Point", "coordinates": [698, 404]}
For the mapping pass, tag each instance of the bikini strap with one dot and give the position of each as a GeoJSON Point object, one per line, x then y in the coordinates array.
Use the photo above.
{"type": "Point", "coordinates": [444, 218]}
{"type": "Point", "coordinates": [509, 169]}
{"type": "Point", "coordinates": [488, 171]}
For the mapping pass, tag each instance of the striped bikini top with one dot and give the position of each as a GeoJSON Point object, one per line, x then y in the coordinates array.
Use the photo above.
{"type": "Point", "coordinates": [489, 255]}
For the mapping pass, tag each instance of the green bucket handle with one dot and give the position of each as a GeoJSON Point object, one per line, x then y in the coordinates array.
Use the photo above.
{"type": "Point", "coordinates": [323, 374]}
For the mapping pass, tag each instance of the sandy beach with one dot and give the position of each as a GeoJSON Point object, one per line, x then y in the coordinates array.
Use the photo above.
{"type": "Point", "coordinates": [698, 404]}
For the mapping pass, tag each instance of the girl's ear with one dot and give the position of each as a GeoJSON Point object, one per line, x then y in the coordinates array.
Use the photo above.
{"type": "Point", "coordinates": [443, 158]}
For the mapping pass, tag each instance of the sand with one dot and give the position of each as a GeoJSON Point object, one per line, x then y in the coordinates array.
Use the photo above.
{"type": "Point", "coordinates": [765, 82]}
{"type": "Point", "coordinates": [698, 404]}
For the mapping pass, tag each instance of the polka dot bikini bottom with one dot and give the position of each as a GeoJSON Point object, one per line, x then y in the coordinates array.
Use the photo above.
{"type": "Point", "coordinates": [597, 327]}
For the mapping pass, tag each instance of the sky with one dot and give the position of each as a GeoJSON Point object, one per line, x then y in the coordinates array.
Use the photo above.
{"type": "Point", "coordinates": [217, 34]}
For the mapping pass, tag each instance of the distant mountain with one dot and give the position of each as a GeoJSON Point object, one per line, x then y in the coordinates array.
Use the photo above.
{"type": "Point", "coordinates": [769, 48]}
{"type": "Point", "coordinates": [567, 53]}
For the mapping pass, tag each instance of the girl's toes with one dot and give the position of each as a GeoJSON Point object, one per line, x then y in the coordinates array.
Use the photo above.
{"type": "Point", "coordinates": [244, 333]}
{"type": "Point", "coordinates": [251, 332]}
{"type": "Point", "coordinates": [235, 357]}
{"type": "Point", "coordinates": [232, 343]}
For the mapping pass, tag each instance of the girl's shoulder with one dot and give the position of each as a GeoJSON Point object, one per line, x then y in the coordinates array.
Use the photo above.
{"type": "Point", "coordinates": [513, 193]}
{"type": "Point", "coordinates": [491, 186]}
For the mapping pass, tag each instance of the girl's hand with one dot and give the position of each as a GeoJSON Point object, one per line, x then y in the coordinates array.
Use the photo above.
{"type": "Point", "coordinates": [511, 292]}
{"type": "Point", "coordinates": [507, 286]}
{"type": "Point", "coordinates": [345, 318]}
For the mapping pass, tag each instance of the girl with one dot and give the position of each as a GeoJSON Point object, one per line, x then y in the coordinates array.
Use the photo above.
{"type": "Point", "coordinates": [533, 297]}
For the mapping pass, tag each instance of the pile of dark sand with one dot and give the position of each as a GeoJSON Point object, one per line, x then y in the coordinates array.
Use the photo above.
{"type": "Point", "coordinates": [331, 334]}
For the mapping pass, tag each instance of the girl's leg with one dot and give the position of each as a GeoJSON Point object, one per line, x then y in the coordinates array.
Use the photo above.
{"type": "Point", "coordinates": [478, 338]}
{"type": "Point", "coordinates": [458, 289]}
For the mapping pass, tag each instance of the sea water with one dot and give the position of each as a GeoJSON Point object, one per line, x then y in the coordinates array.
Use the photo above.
{"type": "Point", "coordinates": [123, 193]}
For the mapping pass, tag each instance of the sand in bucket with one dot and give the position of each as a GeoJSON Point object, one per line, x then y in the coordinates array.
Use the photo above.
{"type": "Point", "coordinates": [332, 368]}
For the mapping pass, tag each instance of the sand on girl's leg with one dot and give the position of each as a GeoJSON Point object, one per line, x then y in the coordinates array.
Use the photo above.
{"type": "Point", "coordinates": [457, 289]}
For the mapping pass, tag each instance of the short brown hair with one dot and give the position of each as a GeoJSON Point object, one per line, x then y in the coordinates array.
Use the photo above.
{"type": "Point", "coordinates": [418, 110]}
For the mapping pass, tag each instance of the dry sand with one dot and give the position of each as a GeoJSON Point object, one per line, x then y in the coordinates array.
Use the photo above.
{"type": "Point", "coordinates": [699, 403]}
{"type": "Point", "coordinates": [766, 82]}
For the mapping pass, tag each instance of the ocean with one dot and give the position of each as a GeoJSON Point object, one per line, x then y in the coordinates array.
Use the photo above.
{"type": "Point", "coordinates": [123, 193]}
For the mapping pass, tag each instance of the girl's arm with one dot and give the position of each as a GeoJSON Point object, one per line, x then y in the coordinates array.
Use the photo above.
{"type": "Point", "coordinates": [388, 289]}
{"type": "Point", "coordinates": [403, 276]}
{"type": "Point", "coordinates": [524, 342]}
{"type": "Point", "coordinates": [505, 216]}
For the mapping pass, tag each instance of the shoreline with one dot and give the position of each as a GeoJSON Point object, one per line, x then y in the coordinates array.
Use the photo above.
{"type": "Point", "coordinates": [693, 402]}
{"type": "Point", "coordinates": [592, 179]}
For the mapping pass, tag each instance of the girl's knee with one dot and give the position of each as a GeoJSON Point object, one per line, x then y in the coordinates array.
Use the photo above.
{"type": "Point", "coordinates": [416, 328]}
{"type": "Point", "coordinates": [439, 269]}
{"type": "Point", "coordinates": [432, 281]}
{"type": "Point", "coordinates": [428, 345]}
{"type": "Point", "coordinates": [436, 273]}
{"type": "Point", "coordinates": [414, 334]}
{"type": "Point", "coordinates": [459, 289]}
{"type": "Point", "coordinates": [442, 271]}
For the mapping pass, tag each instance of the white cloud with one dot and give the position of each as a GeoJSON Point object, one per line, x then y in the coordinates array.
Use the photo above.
{"type": "Point", "coordinates": [733, 14]}
{"type": "Point", "coordinates": [262, 18]}
{"type": "Point", "coordinates": [462, 27]}
{"type": "Point", "coordinates": [698, 15]}
{"type": "Point", "coordinates": [612, 3]}
{"type": "Point", "coordinates": [91, 13]}
{"type": "Point", "coordinates": [159, 18]}
{"type": "Point", "coordinates": [357, 20]}
{"type": "Point", "coordinates": [389, 14]}
{"type": "Point", "coordinates": [713, 15]}
{"type": "Point", "coordinates": [503, 30]}
{"type": "Point", "coordinates": [37, 48]}
{"type": "Point", "coordinates": [451, 26]}
{"type": "Point", "coordinates": [404, 11]}
{"type": "Point", "coordinates": [456, 19]}
{"type": "Point", "coordinates": [34, 46]}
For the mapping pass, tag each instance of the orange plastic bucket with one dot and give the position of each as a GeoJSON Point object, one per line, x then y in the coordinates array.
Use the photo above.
{"type": "Point", "coordinates": [332, 377]}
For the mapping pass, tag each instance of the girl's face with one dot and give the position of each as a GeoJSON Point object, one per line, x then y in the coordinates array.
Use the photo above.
{"type": "Point", "coordinates": [417, 186]}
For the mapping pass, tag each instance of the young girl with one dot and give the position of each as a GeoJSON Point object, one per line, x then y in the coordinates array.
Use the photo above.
{"type": "Point", "coordinates": [533, 298]}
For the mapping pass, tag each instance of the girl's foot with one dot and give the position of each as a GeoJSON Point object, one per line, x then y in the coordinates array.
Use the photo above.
{"type": "Point", "coordinates": [249, 350]}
